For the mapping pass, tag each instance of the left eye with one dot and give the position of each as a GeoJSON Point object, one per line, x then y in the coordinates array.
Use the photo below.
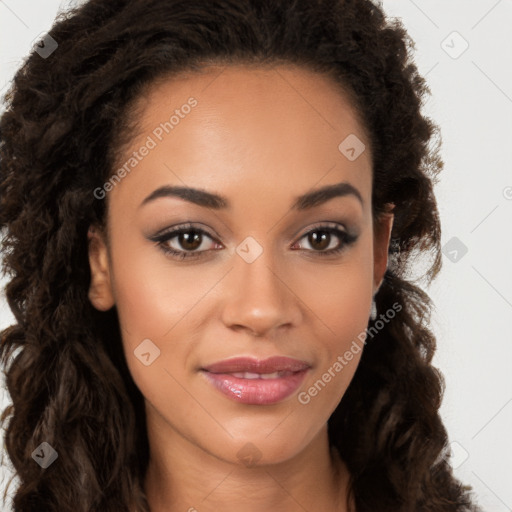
{"type": "Point", "coordinates": [322, 239]}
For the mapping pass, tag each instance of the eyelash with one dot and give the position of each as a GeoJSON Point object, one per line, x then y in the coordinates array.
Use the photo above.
{"type": "Point", "coordinates": [346, 240]}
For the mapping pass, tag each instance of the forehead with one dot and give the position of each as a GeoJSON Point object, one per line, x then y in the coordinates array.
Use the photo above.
{"type": "Point", "coordinates": [270, 129]}
{"type": "Point", "coordinates": [277, 92]}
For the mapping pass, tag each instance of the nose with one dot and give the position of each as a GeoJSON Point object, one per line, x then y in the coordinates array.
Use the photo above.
{"type": "Point", "coordinates": [260, 297]}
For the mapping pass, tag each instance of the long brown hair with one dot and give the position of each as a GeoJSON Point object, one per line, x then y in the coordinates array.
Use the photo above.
{"type": "Point", "coordinates": [66, 117]}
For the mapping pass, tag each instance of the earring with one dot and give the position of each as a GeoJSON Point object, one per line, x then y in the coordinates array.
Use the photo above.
{"type": "Point", "coordinates": [373, 311]}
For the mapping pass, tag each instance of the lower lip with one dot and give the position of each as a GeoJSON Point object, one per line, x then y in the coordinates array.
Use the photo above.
{"type": "Point", "coordinates": [256, 391]}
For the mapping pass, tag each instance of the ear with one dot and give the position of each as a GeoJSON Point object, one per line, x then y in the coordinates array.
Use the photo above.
{"type": "Point", "coordinates": [382, 235]}
{"type": "Point", "coordinates": [100, 289]}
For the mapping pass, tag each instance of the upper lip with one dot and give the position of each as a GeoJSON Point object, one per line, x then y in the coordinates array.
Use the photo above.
{"type": "Point", "coordinates": [253, 365]}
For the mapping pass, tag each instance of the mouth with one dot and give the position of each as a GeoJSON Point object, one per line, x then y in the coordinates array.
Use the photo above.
{"type": "Point", "coordinates": [257, 382]}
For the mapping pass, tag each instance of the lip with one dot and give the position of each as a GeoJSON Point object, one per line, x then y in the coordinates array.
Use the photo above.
{"type": "Point", "coordinates": [227, 377]}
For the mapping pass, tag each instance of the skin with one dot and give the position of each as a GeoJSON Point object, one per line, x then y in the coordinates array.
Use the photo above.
{"type": "Point", "coordinates": [260, 137]}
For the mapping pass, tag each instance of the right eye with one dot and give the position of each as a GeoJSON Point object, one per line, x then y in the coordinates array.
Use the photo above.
{"type": "Point", "coordinates": [184, 242]}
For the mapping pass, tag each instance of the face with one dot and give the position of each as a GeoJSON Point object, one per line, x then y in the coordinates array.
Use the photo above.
{"type": "Point", "coordinates": [248, 261]}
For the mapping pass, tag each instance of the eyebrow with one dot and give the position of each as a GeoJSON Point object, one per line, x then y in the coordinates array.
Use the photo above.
{"type": "Point", "coordinates": [217, 202]}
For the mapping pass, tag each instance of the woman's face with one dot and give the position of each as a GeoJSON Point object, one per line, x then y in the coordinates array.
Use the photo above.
{"type": "Point", "coordinates": [262, 276]}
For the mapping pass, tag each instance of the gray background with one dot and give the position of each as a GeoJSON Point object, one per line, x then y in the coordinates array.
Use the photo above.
{"type": "Point", "coordinates": [472, 102]}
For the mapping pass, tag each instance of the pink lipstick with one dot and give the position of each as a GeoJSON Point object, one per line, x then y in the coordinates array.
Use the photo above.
{"type": "Point", "coordinates": [257, 382]}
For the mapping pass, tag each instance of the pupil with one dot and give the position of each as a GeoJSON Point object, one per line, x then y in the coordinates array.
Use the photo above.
{"type": "Point", "coordinates": [190, 242]}
{"type": "Point", "coordinates": [314, 238]}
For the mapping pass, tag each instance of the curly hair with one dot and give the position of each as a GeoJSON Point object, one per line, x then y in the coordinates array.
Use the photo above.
{"type": "Point", "coordinates": [65, 119]}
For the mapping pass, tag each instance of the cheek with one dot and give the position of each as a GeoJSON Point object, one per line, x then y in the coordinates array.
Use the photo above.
{"type": "Point", "coordinates": [339, 295]}
{"type": "Point", "coordinates": [339, 299]}
{"type": "Point", "coordinates": [152, 293]}
{"type": "Point", "coordinates": [151, 302]}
